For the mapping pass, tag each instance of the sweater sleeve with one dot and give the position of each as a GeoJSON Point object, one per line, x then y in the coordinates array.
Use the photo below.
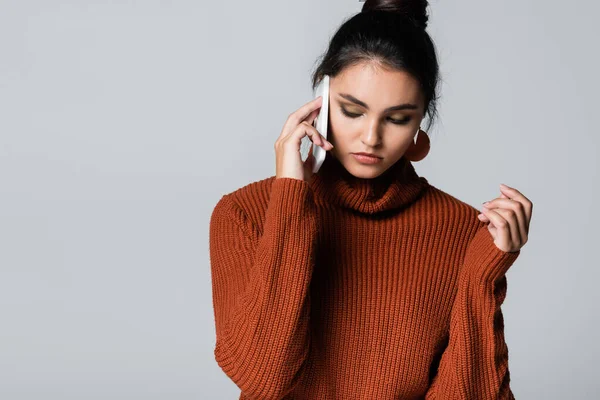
{"type": "Point", "coordinates": [474, 364]}
{"type": "Point", "coordinates": [260, 285]}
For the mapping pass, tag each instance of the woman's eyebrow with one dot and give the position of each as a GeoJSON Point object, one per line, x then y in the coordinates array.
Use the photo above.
{"type": "Point", "coordinates": [353, 99]}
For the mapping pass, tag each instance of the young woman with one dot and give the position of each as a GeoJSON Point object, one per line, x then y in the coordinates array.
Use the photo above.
{"type": "Point", "coordinates": [364, 281]}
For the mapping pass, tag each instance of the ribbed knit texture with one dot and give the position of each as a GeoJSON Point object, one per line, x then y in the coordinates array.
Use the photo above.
{"type": "Point", "coordinates": [349, 288]}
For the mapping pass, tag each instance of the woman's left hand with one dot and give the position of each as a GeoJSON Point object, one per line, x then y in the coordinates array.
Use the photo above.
{"type": "Point", "coordinates": [508, 216]}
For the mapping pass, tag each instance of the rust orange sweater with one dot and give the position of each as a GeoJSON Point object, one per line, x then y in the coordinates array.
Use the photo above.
{"type": "Point", "coordinates": [349, 288]}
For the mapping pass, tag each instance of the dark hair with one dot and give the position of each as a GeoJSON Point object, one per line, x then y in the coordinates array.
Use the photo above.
{"type": "Point", "coordinates": [392, 33]}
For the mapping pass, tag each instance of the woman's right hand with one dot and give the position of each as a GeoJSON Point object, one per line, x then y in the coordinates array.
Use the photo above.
{"type": "Point", "coordinates": [287, 147]}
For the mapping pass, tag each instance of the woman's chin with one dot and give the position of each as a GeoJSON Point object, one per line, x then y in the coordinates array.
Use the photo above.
{"type": "Point", "coordinates": [365, 171]}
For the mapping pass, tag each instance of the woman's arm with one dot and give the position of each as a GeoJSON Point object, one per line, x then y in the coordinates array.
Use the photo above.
{"type": "Point", "coordinates": [475, 362]}
{"type": "Point", "coordinates": [260, 289]}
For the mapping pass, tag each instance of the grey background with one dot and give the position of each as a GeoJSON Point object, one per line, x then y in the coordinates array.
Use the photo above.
{"type": "Point", "coordinates": [123, 123]}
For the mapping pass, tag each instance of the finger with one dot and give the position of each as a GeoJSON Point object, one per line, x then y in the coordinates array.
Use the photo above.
{"type": "Point", "coordinates": [306, 129]}
{"type": "Point", "coordinates": [312, 116]}
{"type": "Point", "coordinates": [511, 217]}
{"type": "Point", "coordinates": [514, 194]}
{"type": "Point", "coordinates": [501, 227]}
{"type": "Point", "coordinates": [517, 208]}
{"type": "Point", "coordinates": [300, 115]}
{"type": "Point", "coordinates": [483, 218]}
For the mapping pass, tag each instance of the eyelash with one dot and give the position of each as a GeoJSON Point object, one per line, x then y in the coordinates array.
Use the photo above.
{"type": "Point", "coordinates": [394, 121]}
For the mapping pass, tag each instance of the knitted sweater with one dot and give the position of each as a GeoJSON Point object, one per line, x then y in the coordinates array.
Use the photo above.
{"type": "Point", "coordinates": [350, 288]}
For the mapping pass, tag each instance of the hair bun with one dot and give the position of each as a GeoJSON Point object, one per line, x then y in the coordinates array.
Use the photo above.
{"type": "Point", "coordinates": [414, 9]}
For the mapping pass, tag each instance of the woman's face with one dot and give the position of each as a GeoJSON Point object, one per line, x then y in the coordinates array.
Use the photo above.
{"type": "Point", "coordinates": [366, 92]}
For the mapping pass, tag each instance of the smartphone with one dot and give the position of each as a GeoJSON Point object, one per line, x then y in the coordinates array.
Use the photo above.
{"type": "Point", "coordinates": [320, 123]}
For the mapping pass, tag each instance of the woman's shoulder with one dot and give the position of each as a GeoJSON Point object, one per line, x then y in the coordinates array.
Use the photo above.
{"type": "Point", "coordinates": [448, 206]}
{"type": "Point", "coordinates": [257, 191]}
{"type": "Point", "coordinates": [450, 214]}
{"type": "Point", "coordinates": [251, 200]}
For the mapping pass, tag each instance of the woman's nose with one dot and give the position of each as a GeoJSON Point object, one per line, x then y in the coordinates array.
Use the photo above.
{"type": "Point", "coordinates": [371, 136]}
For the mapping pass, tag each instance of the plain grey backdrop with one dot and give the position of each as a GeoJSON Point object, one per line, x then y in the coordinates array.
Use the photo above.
{"type": "Point", "coordinates": [122, 123]}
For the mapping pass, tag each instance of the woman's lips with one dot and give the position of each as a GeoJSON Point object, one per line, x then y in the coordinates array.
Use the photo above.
{"type": "Point", "coordinates": [363, 159]}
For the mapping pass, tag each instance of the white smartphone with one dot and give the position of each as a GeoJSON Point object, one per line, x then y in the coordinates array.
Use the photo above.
{"type": "Point", "coordinates": [320, 123]}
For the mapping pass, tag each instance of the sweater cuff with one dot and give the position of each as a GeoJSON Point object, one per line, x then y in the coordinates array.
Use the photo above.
{"type": "Point", "coordinates": [293, 196]}
{"type": "Point", "coordinates": [485, 260]}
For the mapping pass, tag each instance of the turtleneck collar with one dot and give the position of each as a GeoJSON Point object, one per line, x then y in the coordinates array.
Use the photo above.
{"type": "Point", "coordinates": [397, 187]}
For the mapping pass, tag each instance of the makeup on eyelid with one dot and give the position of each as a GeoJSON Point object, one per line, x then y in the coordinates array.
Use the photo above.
{"type": "Point", "coordinates": [392, 120]}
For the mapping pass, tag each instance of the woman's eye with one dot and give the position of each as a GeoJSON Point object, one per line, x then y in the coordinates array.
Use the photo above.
{"type": "Point", "coordinates": [394, 121]}
{"type": "Point", "coordinates": [400, 121]}
{"type": "Point", "coordinates": [349, 114]}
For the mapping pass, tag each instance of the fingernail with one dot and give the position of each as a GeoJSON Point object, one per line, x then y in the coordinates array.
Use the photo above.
{"type": "Point", "coordinates": [485, 203]}
{"type": "Point", "coordinates": [504, 186]}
